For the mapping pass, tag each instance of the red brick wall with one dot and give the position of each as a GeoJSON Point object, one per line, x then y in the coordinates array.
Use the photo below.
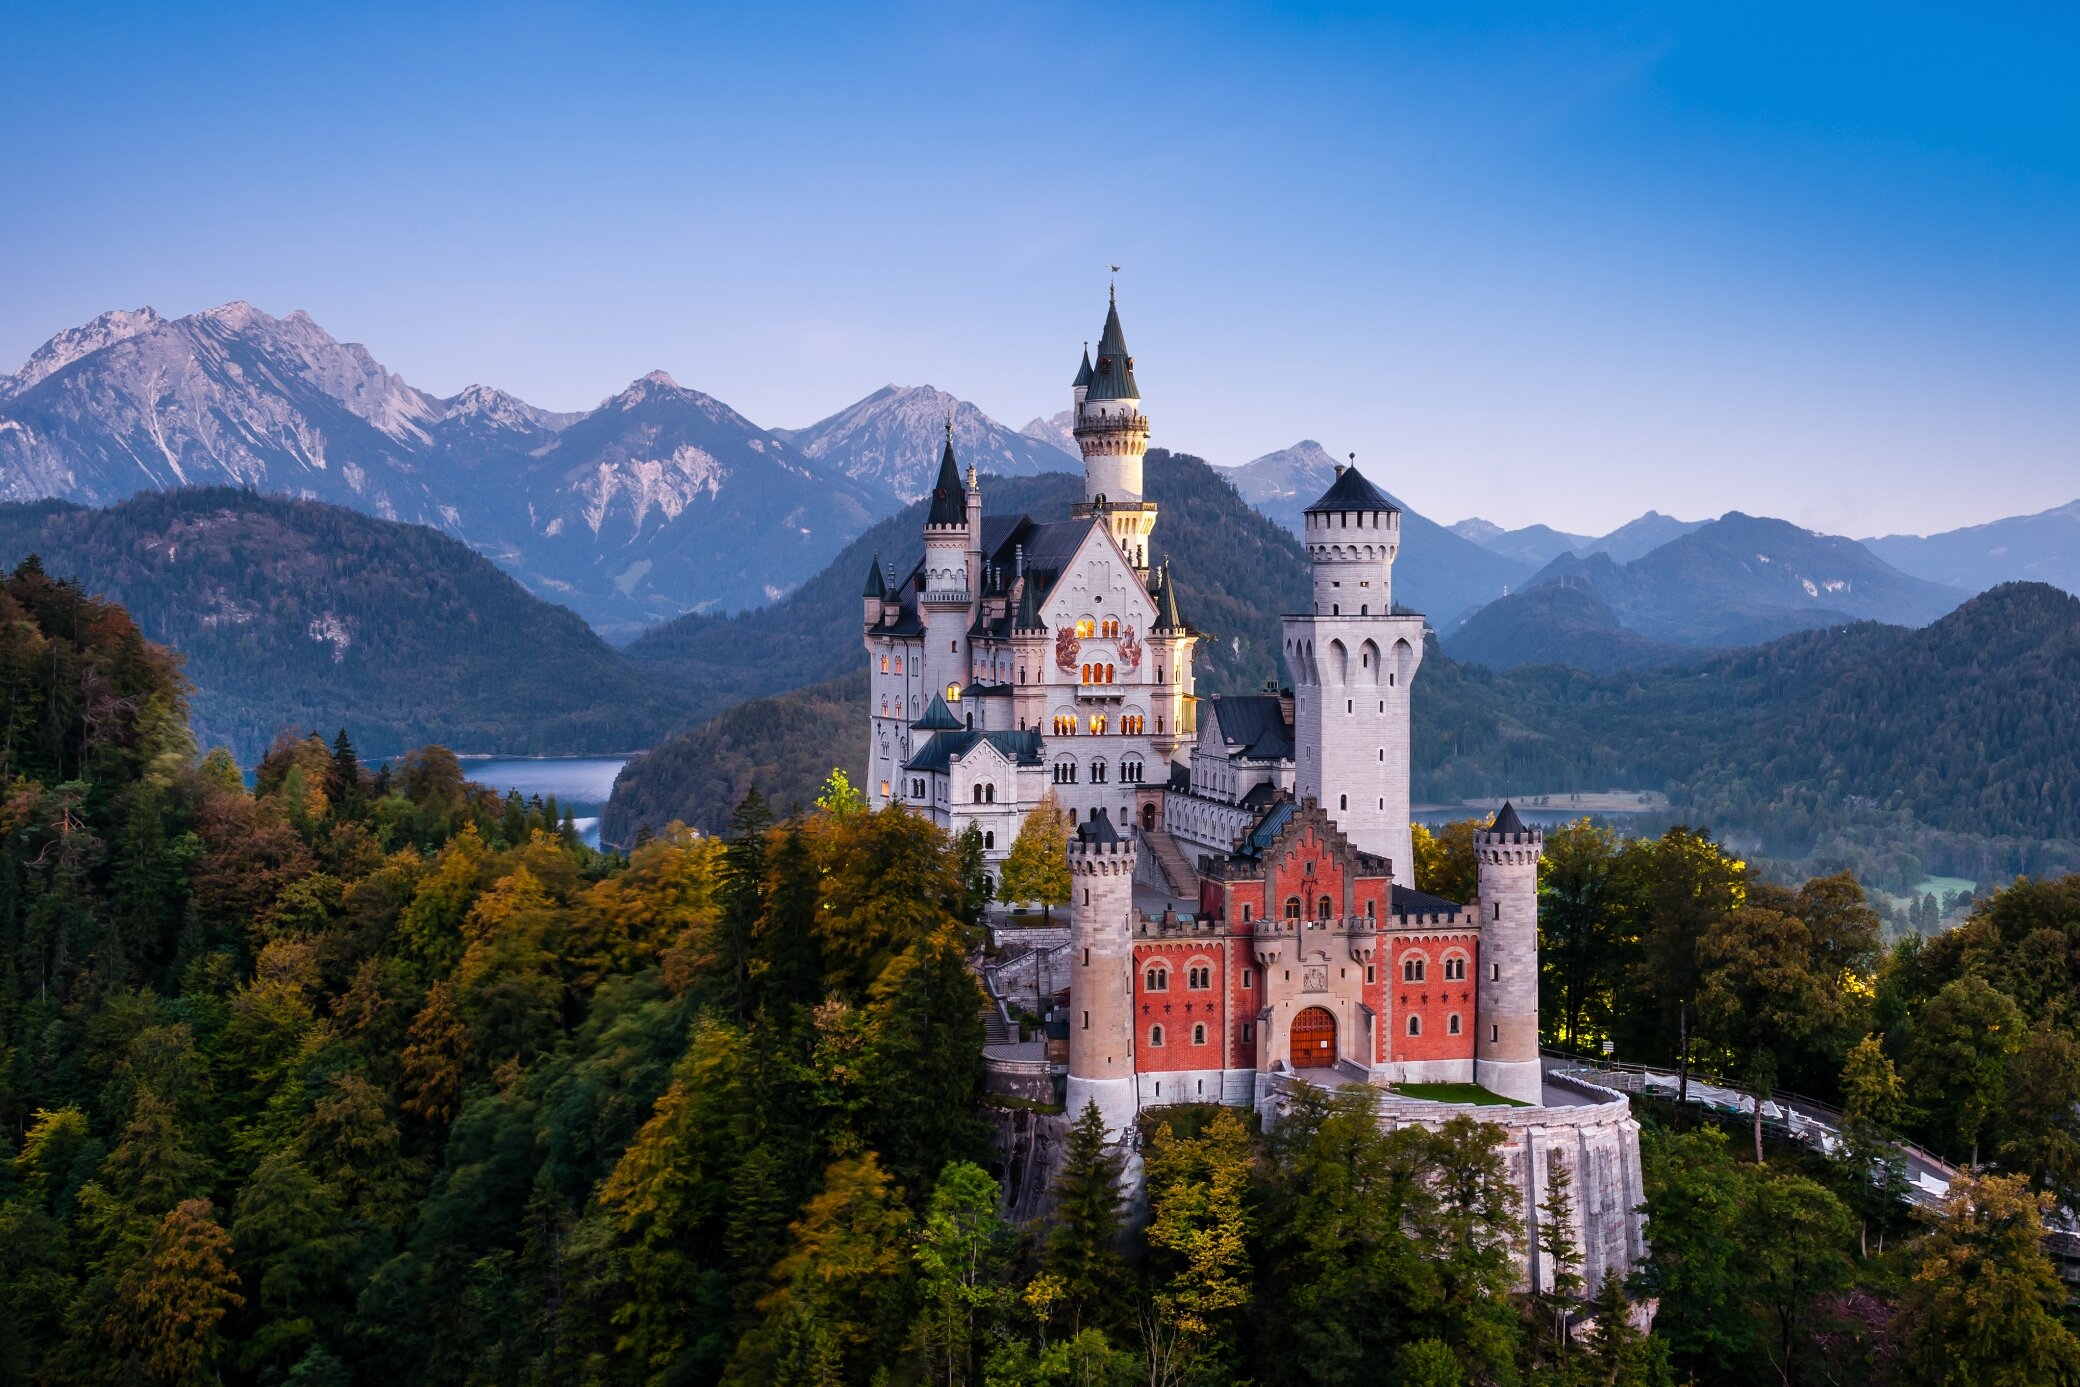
{"type": "Point", "coordinates": [1181, 1007]}
{"type": "Point", "coordinates": [1433, 999]}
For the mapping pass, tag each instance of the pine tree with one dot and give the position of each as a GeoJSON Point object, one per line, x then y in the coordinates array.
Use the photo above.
{"type": "Point", "coordinates": [173, 1299]}
{"type": "Point", "coordinates": [743, 900]}
{"type": "Point", "coordinates": [1082, 1247]}
{"type": "Point", "coordinates": [1560, 1254]}
{"type": "Point", "coordinates": [344, 785]}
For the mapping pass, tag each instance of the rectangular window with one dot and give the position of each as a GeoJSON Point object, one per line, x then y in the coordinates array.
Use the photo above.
{"type": "Point", "coordinates": [1368, 973]}
{"type": "Point", "coordinates": [1086, 1020]}
{"type": "Point", "coordinates": [1494, 1035]}
{"type": "Point", "coordinates": [1249, 977]}
{"type": "Point", "coordinates": [1249, 1032]}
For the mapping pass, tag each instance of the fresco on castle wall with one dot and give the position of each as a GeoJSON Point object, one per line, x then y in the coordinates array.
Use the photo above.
{"type": "Point", "coordinates": [1129, 650]}
{"type": "Point", "coordinates": [1066, 648]}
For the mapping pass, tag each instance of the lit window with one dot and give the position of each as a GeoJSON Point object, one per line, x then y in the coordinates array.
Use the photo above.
{"type": "Point", "coordinates": [1097, 722]}
{"type": "Point", "coordinates": [899, 664]}
{"type": "Point", "coordinates": [953, 693]}
{"type": "Point", "coordinates": [884, 664]}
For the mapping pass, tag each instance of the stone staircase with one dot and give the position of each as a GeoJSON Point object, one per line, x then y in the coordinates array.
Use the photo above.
{"type": "Point", "coordinates": [1183, 881]}
{"type": "Point", "coordinates": [995, 1029]}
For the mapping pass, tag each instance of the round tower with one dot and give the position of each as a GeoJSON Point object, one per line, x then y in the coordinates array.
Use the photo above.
{"type": "Point", "coordinates": [1505, 1048]}
{"type": "Point", "coordinates": [1112, 433]}
{"type": "Point", "coordinates": [1101, 973]}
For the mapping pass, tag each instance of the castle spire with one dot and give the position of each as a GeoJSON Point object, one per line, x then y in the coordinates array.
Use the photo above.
{"type": "Point", "coordinates": [949, 500]}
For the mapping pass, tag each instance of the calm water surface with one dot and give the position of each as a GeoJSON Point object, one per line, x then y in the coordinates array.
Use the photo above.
{"type": "Point", "coordinates": [580, 783]}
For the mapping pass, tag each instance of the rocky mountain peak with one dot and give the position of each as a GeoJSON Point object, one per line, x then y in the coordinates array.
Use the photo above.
{"type": "Point", "coordinates": [73, 343]}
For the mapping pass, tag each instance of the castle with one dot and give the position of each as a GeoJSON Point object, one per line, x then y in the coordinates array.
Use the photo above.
{"type": "Point", "coordinates": [1244, 914]}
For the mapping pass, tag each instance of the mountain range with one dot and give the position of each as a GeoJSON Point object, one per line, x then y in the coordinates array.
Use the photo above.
{"type": "Point", "coordinates": [1539, 545]}
{"type": "Point", "coordinates": [2042, 548]}
{"type": "Point", "coordinates": [629, 513]}
{"type": "Point", "coordinates": [296, 615]}
{"type": "Point", "coordinates": [1736, 581]}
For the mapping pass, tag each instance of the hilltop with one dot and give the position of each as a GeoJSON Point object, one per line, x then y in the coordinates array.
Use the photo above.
{"type": "Point", "coordinates": [297, 614]}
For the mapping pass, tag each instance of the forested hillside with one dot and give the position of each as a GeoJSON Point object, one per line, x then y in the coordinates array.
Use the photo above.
{"type": "Point", "coordinates": [1891, 752]}
{"type": "Point", "coordinates": [304, 615]}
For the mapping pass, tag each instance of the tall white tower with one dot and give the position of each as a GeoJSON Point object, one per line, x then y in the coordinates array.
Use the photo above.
{"type": "Point", "coordinates": [1101, 973]}
{"type": "Point", "coordinates": [946, 604]}
{"type": "Point", "coordinates": [1505, 1042]}
{"type": "Point", "coordinates": [1112, 433]}
{"type": "Point", "coordinates": [1352, 661]}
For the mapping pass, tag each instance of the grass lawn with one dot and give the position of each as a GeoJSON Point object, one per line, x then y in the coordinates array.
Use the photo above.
{"type": "Point", "coordinates": [1457, 1093]}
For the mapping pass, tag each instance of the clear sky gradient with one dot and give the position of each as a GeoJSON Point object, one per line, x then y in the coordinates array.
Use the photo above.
{"type": "Point", "coordinates": [1530, 262]}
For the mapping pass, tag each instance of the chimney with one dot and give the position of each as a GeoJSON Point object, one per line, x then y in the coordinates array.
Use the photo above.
{"type": "Point", "coordinates": [1285, 706]}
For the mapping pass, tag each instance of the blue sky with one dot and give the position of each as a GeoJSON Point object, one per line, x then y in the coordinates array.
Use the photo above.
{"type": "Point", "coordinates": [1538, 263]}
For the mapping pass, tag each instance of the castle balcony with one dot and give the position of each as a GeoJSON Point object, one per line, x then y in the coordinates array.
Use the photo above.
{"type": "Point", "coordinates": [944, 597]}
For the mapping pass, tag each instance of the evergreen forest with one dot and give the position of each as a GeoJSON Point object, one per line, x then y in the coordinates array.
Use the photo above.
{"type": "Point", "coordinates": [362, 1073]}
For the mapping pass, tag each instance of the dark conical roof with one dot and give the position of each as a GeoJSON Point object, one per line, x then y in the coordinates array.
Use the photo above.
{"type": "Point", "coordinates": [949, 500]}
{"type": "Point", "coordinates": [1083, 372]}
{"type": "Point", "coordinates": [1350, 491]}
{"type": "Point", "coordinates": [938, 718]}
{"type": "Point", "coordinates": [1113, 378]}
{"type": "Point", "coordinates": [877, 586]}
{"type": "Point", "coordinates": [1097, 829]}
{"type": "Point", "coordinates": [1029, 607]}
{"type": "Point", "coordinates": [1168, 617]}
{"type": "Point", "coordinates": [1506, 820]}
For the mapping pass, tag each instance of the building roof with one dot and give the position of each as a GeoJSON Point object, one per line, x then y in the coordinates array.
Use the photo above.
{"type": "Point", "coordinates": [949, 498]}
{"type": "Point", "coordinates": [1260, 838]}
{"type": "Point", "coordinates": [1408, 901]}
{"type": "Point", "coordinates": [1350, 491]}
{"type": "Point", "coordinates": [1506, 820]}
{"type": "Point", "coordinates": [1256, 722]}
{"type": "Point", "coordinates": [1097, 829]}
{"type": "Point", "coordinates": [1168, 618]}
{"type": "Point", "coordinates": [937, 717]}
{"type": "Point", "coordinates": [942, 749]}
{"type": "Point", "coordinates": [1113, 377]}
{"type": "Point", "coordinates": [877, 586]}
{"type": "Point", "coordinates": [1083, 373]}
{"type": "Point", "coordinates": [1028, 618]}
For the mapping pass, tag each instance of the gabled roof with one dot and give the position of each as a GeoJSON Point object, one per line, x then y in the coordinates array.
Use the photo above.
{"type": "Point", "coordinates": [1113, 377]}
{"type": "Point", "coordinates": [949, 498]}
{"type": "Point", "coordinates": [939, 753]}
{"type": "Point", "coordinates": [877, 586]}
{"type": "Point", "coordinates": [1256, 722]}
{"type": "Point", "coordinates": [937, 717]}
{"type": "Point", "coordinates": [1350, 491]}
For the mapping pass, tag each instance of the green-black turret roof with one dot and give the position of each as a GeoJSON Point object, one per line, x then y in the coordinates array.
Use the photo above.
{"type": "Point", "coordinates": [1168, 617]}
{"type": "Point", "coordinates": [949, 498]}
{"type": "Point", "coordinates": [1083, 372]}
{"type": "Point", "coordinates": [938, 718]}
{"type": "Point", "coordinates": [1350, 491]}
{"type": "Point", "coordinates": [877, 585]}
{"type": "Point", "coordinates": [1113, 376]}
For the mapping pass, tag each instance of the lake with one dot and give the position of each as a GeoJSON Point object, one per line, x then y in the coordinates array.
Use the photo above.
{"type": "Point", "coordinates": [580, 783]}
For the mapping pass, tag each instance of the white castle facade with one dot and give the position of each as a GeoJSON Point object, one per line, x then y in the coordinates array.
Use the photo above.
{"type": "Point", "coordinates": [1244, 914]}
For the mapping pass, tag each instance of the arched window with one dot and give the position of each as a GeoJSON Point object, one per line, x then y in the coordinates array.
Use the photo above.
{"type": "Point", "coordinates": [1451, 1024]}
{"type": "Point", "coordinates": [1199, 1035]}
{"type": "Point", "coordinates": [989, 794]}
{"type": "Point", "coordinates": [1292, 907]}
{"type": "Point", "coordinates": [1086, 674]}
{"type": "Point", "coordinates": [1322, 908]}
{"type": "Point", "coordinates": [989, 840]}
{"type": "Point", "coordinates": [884, 664]}
{"type": "Point", "coordinates": [1084, 630]}
{"type": "Point", "coordinates": [1156, 979]}
{"type": "Point", "coordinates": [1098, 723]}
{"type": "Point", "coordinates": [1108, 674]}
{"type": "Point", "coordinates": [1097, 772]}
{"type": "Point", "coordinates": [899, 664]}
{"type": "Point", "coordinates": [1411, 970]}
{"type": "Point", "coordinates": [1455, 968]}
{"type": "Point", "coordinates": [978, 794]}
{"type": "Point", "coordinates": [1343, 801]}
{"type": "Point", "coordinates": [953, 693]}
{"type": "Point", "coordinates": [1415, 1025]}
{"type": "Point", "coordinates": [1198, 977]}
{"type": "Point", "coordinates": [1155, 1036]}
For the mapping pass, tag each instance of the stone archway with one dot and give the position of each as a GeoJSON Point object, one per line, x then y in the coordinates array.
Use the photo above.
{"type": "Point", "coordinates": [1148, 817]}
{"type": "Point", "coordinates": [1312, 1039]}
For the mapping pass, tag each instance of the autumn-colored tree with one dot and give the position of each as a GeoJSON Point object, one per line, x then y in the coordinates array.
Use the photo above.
{"type": "Point", "coordinates": [1445, 864]}
{"type": "Point", "coordinates": [434, 1055]}
{"type": "Point", "coordinates": [1198, 1232]}
{"type": "Point", "coordinates": [1037, 867]}
{"type": "Point", "coordinates": [1983, 1309]}
{"type": "Point", "coordinates": [172, 1300]}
